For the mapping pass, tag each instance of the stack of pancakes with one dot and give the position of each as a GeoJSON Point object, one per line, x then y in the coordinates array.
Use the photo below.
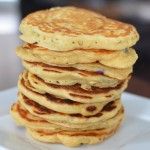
{"type": "Point", "coordinates": [77, 64]}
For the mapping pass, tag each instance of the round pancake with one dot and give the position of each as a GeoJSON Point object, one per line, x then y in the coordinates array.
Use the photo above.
{"type": "Point", "coordinates": [119, 74]}
{"type": "Point", "coordinates": [66, 76]}
{"type": "Point", "coordinates": [73, 139]}
{"type": "Point", "coordinates": [24, 118]}
{"type": "Point", "coordinates": [68, 28]}
{"type": "Point", "coordinates": [60, 105]}
{"type": "Point", "coordinates": [116, 59]}
{"type": "Point", "coordinates": [93, 125]}
{"type": "Point", "coordinates": [75, 92]}
{"type": "Point", "coordinates": [75, 120]}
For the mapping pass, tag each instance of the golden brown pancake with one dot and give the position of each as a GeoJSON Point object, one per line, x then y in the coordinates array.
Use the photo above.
{"type": "Point", "coordinates": [62, 105]}
{"type": "Point", "coordinates": [73, 139]}
{"type": "Point", "coordinates": [115, 59]}
{"type": "Point", "coordinates": [67, 76]}
{"type": "Point", "coordinates": [68, 28]}
{"type": "Point", "coordinates": [24, 118]}
{"type": "Point", "coordinates": [75, 120]}
{"type": "Point", "coordinates": [47, 132]}
{"type": "Point", "coordinates": [75, 92]}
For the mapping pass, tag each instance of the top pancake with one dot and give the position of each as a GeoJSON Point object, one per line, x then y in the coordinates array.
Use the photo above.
{"type": "Point", "coordinates": [69, 28]}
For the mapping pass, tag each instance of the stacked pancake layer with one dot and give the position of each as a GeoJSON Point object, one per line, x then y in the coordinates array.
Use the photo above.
{"type": "Point", "coordinates": [75, 73]}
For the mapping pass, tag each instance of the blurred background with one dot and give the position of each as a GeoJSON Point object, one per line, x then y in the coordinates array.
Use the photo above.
{"type": "Point", "coordinates": [136, 12]}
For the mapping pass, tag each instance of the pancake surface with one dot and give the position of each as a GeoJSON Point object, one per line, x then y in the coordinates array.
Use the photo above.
{"type": "Point", "coordinates": [72, 120]}
{"type": "Point", "coordinates": [23, 117]}
{"type": "Point", "coordinates": [74, 92]}
{"type": "Point", "coordinates": [73, 139]}
{"type": "Point", "coordinates": [67, 76]}
{"type": "Point", "coordinates": [62, 105]}
{"type": "Point", "coordinates": [116, 59]}
{"type": "Point", "coordinates": [68, 28]}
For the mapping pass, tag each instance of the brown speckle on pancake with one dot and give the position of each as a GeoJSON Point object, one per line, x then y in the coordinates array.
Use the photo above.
{"type": "Point", "coordinates": [70, 69]}
{"type": "Point", "coordinates": [42, 133]}
{"type": "Point", "coordinates": [45, 110]}
{"type": "Point", "coordinates": [108, 96]}
{"type": "Point", "coordinates": [80, 96]}
{"type": "Point", "coordinates": [109, 106]}
{"type": "Point", "coordinates": [41, 109]}
{"type": "Point", "coordinates": [82, 74]}
{"type": "Point", "coordinates": [68, 101]}
{"type": "Point", "coordinates": [25, 114]}
{"type": "Point", "coordinates": [50, 70]}
{"type": "Point", "coordinates": [59, 100]}
{"type": "Point", "coordinates": [35, 82]}
{"type": "Point", "coordinates": [76, 133]}
{"type": "Point", "coordinates": [50, 97]}
{"type": "Point", "coordinates": [30, 46]}
{"type": "Point", "coordinates": [91, 108]}
{"type": "Point", "coordinates": [76, 88]}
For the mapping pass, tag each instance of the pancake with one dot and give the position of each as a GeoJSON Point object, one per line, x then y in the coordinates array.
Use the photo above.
{"type": "Point", "coordinates": [73, 139]}
{"type": "Point", "coordinates": [116, 59]}
{"type": "Point", "coordinates": [75, 92]}
{"type": "Point", "coordinates": [24, 118]}
{"type": "Point", "coordinates": [66, 76]}
{"type": "Point", "coordinates": [75, 120]}
{"type": "Point", "coordinates": [62, 105]}
{"type": "Point", "coordinates": [68, 28]}
{"type": "Point", "coordinates": [47, 132]}
{"type": "Point", "coordinates": [105, 123]}
{"type": "Point", "coordinates": [119, 74]}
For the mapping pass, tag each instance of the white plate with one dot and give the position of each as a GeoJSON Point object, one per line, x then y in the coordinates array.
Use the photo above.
{"type": "Point", "coordinates": [134, 133]}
